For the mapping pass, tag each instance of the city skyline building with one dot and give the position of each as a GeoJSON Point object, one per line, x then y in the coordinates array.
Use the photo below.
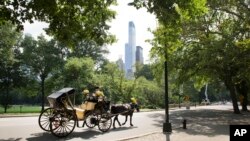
{"type": "Point", "coordinates": [139, 55]}
{"type": "Point", "coordinates": [130, 51]}
{"type": "Point", "coordinates": [120, 64]}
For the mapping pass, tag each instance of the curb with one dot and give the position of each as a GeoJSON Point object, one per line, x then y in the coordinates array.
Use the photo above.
{"type": "Point", "coordinates": [18, 115]}
{"type": "Point", "coordinates": [139, 136]}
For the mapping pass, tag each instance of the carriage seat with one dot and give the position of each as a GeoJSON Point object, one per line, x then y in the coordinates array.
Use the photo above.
{"type": "Point", "coordinates": [88, 105]}
{"type": "Point", "coordinates": [79, 113]}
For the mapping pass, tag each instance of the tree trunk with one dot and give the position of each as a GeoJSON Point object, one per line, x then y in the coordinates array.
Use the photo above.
{"type": "Point", "coordinates": [245, 102]}
{"type": "Point", "coordinates": [6, 97]}
{"type": "Point", "coordinates": [201, 94]}
{"type": "Point", "coordinates": [231, 88]}
{"type": "Point", "coordinates": [242, 89]}
{"type": "Point", "coordinates": [42, 86]}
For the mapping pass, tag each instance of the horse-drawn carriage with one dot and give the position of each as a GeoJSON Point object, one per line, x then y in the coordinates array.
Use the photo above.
{"type": "Point", "coordinates": [62, 117]}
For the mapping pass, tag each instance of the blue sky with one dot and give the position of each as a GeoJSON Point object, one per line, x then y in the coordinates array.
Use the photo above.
{"type": "Point", "coordinates": [119, 27]}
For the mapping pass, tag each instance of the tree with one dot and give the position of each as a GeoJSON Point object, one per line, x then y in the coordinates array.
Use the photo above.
{"type": "Point", "coordinates": [10, 70]}
{"type": "Point", "coordinates": [149, 94]}
{"type": "Point", "coordinates": [217, 55]}
{"type": "Point", "coordinates": [144, 70]}
{"type": "Point", "coordinates": [69, 21]}
{"type": "Point", "coordinates": [78, 73]}
{"type": "Point", "coordinates": [41, 57]}
{"type": "Point", "coordinates": [172, 12]}
{"type": "Point", "coordinates": [242, 88]}
{"type": "Point", "coordinates": [113, 79]}
{"type": "Point", "coordinates": [89, 49]}
{"type": "Point", "coordinates": [203, 39]}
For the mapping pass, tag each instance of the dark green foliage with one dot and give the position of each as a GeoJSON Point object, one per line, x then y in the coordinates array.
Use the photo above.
{"type": "Point", "coordinates": [206, 41]}
{"type": "Point", "coordinates": [70, 21]}
{"type": "Point", "coordinates": [11, 74]}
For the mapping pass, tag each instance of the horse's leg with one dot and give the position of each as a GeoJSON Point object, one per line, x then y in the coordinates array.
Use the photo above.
{"type": "Point", "coordinates": [131, 115]}
{"type": "Point", "coordinates": [116, 119]}
{"type": "Point", "coordinates": [126, 118]}
{"type": "Point", "coordinates": [83, 123]}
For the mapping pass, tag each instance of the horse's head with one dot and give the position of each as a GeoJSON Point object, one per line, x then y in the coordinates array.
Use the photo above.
{"type": "Point", "coordinates": [135, 106]}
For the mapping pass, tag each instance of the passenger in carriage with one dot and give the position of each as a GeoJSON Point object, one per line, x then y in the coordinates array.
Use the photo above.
{"type": "Point", "coordinates": [85, 92]}
{"type": "Point", "coordinates": [99, 94]}
{"type": "Point", "coordinates": [94, 95]}
{"type": "Point", "coordinates": [95, 99]}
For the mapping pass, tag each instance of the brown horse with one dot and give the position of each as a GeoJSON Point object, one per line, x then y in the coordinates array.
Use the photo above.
{"type": "Point", "coordinates": [125, 110]}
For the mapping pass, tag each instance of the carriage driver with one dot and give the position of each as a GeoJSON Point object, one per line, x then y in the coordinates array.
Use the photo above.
{"type": "Point", "coordinates": [133, 100]}
{"type": "Point", "coordinates": [134, 104]}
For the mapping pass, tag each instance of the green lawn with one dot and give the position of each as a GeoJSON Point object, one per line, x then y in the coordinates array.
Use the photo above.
{"type": "Point", "coordinates": [22, 109]}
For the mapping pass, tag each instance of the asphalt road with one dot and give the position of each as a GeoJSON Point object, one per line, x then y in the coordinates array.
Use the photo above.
{"type": "Point", "coordinates": [27, 128]}
{"type": "Point", "coordinates": [205, 121]}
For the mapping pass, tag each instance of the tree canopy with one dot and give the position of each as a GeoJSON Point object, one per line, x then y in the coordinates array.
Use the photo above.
{"type": "Point", "coordinates": [69, 21]}
{"type": "Point", "coordinates": [11, 74]}
{"type": "Point", "coordinates": [205, 40]}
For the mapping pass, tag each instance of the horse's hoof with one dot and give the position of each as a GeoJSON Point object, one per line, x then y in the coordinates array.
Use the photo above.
{"type": "Point", "coordinates": [131, 125]}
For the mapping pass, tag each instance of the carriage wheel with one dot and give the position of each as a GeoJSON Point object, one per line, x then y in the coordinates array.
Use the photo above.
{"type": "Point", "coordinates": [62, 124]}
{"type": "Point", "coordinates": [44, 117]}
{"type": "Point", "coordinates": [91, 121]}
{"type": "Point", "coordinates": [105, 123]}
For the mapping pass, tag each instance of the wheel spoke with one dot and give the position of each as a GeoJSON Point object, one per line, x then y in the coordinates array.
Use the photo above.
{"type": "Point", "coordinates": [104, 124]}
{"type": "Point", "coordinates": [65, 127]}
{"type": "Point", "coordinates": [43, 119]}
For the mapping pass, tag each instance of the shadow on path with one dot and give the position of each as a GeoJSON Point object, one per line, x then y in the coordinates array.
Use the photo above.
{"type": "Point", "coordinates": [208, 122]}
{"type": "Point", "coordinates": [85, 134]}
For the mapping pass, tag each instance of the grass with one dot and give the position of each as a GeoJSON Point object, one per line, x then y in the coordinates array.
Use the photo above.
{"type": "Point", "coordinates": [21, 109]}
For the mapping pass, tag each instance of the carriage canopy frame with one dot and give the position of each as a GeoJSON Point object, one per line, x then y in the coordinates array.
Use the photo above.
{"type": "Point", "coordinates": [56, 97]}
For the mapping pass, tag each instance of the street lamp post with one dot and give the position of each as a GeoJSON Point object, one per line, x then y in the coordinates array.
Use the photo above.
{"type": "Point", "coordinates": [167, 127]}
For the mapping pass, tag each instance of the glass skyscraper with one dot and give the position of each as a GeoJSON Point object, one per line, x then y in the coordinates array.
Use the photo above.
{"type": "Point", "coordinates": [139, 55]}
{"type": "Point", "coordinates": [130, 49]}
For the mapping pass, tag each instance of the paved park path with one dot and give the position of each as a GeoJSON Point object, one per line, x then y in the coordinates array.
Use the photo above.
{"type": "Point", "coordinates": [204, 123]}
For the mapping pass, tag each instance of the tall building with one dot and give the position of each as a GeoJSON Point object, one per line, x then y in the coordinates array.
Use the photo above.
{"type": "Point", "coordinates": [139, 55]}
{"type": "Point", "coordinates": [120, 64]}
{"type": "Point", "coordinates": [130, 49]}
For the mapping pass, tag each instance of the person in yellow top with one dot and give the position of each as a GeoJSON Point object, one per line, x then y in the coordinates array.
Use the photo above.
{"type": "Point", "coordinates": [94, 95]}
{"type": "Point", "coordinates": [98, 92]}
{"type": "Point", "coordinates": [133, 100]}
{"type": "Point", "coordinates": [134, 104]}
{"type": "Point", "coordinates": [85, 92]}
